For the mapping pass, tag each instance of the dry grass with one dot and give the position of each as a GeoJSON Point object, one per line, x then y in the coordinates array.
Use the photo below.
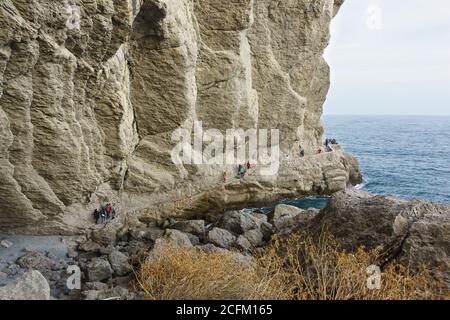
{"type": "Point", "coordinates": [317, 269]}
{"type": "Point", "coordinates": [190, 274]}
{"type": "Point", "coordinates": [295, 268]}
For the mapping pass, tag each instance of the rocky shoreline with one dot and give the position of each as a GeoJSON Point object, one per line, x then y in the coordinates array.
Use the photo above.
{"type": "Point", "coordinates": [408, 232]}
{"type": "Point", "coordinates": [107, 269]}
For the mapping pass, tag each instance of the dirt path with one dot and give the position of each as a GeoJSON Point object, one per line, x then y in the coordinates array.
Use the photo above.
{"type": "Point", "coordinates": [55, 245]}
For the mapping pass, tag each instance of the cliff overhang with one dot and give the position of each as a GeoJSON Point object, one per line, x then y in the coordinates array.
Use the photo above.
{"type": "Point", "coordinates": [91, 92]}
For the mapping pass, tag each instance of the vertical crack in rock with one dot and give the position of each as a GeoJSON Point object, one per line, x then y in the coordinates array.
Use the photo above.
{"type": "Point", "coordinates": [91, 91]}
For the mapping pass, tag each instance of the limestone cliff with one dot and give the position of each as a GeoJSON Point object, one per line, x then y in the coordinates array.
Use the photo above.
{"type": "Point", "coordinates": [91, 91]}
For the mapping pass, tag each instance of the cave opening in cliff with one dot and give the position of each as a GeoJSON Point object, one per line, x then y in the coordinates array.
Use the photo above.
{"type": "Point", "coordinates": [147, 25]}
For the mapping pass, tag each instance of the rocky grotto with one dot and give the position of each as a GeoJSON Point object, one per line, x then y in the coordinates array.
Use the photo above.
{"type": "Point", "coordinates": [91, 92]}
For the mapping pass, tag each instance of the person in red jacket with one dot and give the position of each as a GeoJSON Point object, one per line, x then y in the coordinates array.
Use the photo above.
{"type": "Point", "coordinates": [108, 210]}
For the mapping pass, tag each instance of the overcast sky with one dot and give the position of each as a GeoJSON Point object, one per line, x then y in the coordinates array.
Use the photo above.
{"type": "Point", "coordinates": [390, 57]}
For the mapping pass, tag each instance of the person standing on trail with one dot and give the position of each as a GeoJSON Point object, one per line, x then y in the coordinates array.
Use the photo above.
{"type": "Point", "coordinates": [240, 170]}
{"type": "Point", "coordinates": [96, 215]}
{"type": "Point", "coordinates": [249, 166]}
{"type": "Point", "coordinates": [102, 215]}
{"type": "Point", "coordinates": [108, 210]}
{"type": "Point", "coordinates": [113, 213]}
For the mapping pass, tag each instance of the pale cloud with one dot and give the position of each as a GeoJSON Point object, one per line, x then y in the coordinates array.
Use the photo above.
{"type": "Point", "coordinates": [396, 69]}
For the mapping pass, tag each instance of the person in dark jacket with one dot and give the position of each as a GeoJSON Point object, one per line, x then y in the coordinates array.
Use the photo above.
{"type": "Point", "coordinates": [103, 215]}
{"type": "Point", "coordinates": [96, 215]}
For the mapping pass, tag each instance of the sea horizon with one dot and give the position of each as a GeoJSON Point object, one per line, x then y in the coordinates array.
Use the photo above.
{"type": "Point", "coordinates": [399, 155]}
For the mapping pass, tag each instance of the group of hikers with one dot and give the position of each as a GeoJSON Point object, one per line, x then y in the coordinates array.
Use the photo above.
{"type": "Point", "coordinates": [242, 170]}
{"type": "Point", "coordinates": [105, 214]}
{"type": "Point", "coordinates": [328, 145]}
{"type": "Point", "coordinates": [329, 141]}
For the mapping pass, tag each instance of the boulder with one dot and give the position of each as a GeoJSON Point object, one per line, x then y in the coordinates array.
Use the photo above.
{"type": "Point", "coordinates": [287, 219]}
{"type": "Point", "coordinates": [107, 235]}
{"type": "Point", "coordinates": [178, 238]}
{"type": "Point", "coordinates": [267, 231]}
{"type": "Point", "coordinates": [243, 244]}
{"type": "Point", "coordinates": [413, 233]}
{"type": "Point", "coordinates": [285, 216]}
{"type": "Point", "coordinates": [153, 233]}
{"type": "Point", "coordinates": [13, 269]}
{"type": "Point", "coordinates": [239, 257]}
{"type": "Point", "coordinates": [195, 227]}
{"type": "Point", "coordinates": [428, 242]}
{"type": "Point", "coordinates": [221, 238]}
{"type": "Point", "coordinates": [6, 244]}
{"type": "Point", "coordinates": [150, 233]}
{"type": "Point", "coordinates": [173, 238]}
{"type": "Point", "coordinates": [210, 248]}
{"type": "Point", "coordinates": [119, 263]}
{"type": "Point", "coordinates": [359, 218]}
{"type": "Point", "coordinates": [352, 166]}
{"type": "Point", "coordinates": [30, 286]}
{"type": "Point", "coordinates": [98, 269]}
{"type": "Point", "coordinates": [135, 247]}
{"type": "Point", "coordinates": [34, 260]}
{"type": "Point", "coordinates": [255, 237]}
{"type": "Point", "coordinates": [72, 253]}
{"type": "Point", "coordinates": [261, 216]}
{"type": "Point", "coordinates": [194, 239]}
{"type": "Point", "coordinates": [238, 222]}
{"type": "Point", "coordinates": [105, 251]}
{"type": "Point", "coordinates": [89, 247]}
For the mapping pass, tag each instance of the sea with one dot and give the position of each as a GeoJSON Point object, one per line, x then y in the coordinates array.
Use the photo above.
{"type": "Point", "coordinates": [404, 156]}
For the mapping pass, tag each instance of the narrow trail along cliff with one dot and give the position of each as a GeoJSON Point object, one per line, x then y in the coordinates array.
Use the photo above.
{"type": "Point", "coordinates": [91, 92]}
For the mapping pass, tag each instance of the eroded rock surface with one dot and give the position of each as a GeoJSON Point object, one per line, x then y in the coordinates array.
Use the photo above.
{"type": "Point", "coordinates": [415, 233]}
{"type": "Point", "coordinates": [30, 286]}
{"type": "Point", "coordinates": [91, 91]}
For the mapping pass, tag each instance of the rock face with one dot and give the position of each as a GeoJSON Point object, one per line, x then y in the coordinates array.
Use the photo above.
{"type": "Point", "coordinates": [221, 238]}
{"type": "Point", "coordinates": [30, 286]}
{"type": "Point", "coordinates": [411, 232]}
{"type": "Point", "coordinates": [287, 219]}
{"type": "Point", "coordinates": [285, 215]}
{"type": "Point", "coordinates": [91, 92]}
{"type": "Point", "coordinates": [119, 263]}
{"type": "Point", "coordinates": [195, 227]}
{"type": "Point", "coordinates": [99, 269]}
{"type": "Point", "coordinates": [238, 222]}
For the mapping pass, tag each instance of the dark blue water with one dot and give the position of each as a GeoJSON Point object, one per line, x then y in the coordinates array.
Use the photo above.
{"type": "Point", "coordinates": [305, 203]}
{"type": "Point", "coordinates": [407, 156]}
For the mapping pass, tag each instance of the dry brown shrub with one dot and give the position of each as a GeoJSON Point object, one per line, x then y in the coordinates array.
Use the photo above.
{"type": "Point", "coordinates": [318, 269]}
{"type": "Point", "coordinates": [294, 268]}
{"type": "Point", "coordinates": [191, 274]}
